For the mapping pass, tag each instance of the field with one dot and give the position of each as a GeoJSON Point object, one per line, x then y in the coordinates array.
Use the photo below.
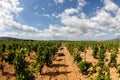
{"type": "Point", "coordinates": [59, 60]}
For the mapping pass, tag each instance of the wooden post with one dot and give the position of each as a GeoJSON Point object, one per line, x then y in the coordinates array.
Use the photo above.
{"type": "Point", "coordinates": [85, 55]}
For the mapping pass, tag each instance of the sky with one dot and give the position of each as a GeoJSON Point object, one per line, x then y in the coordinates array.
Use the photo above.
{"type": "Point", "coordinates": [60, 19]}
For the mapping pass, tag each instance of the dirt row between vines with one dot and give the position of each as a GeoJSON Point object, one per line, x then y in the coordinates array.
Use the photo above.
{"type": "Point", "coordinates": [63, 68]}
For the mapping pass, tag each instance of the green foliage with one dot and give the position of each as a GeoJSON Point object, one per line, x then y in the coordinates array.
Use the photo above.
{"type": "Point", "coordinates": [95, 51]}
{"type": "Point", "coordinates": [81, 48]}
{"type": "Point", "coordinates": [3, 47]}
{"type": "Point", "coordinates": [103, 72]}
{"type": "Point", "coordinates": [39, 49]}
{"type": "Point", "coordinates": [54, 49]}
{"type": "Point", "coordinates": [113, 60]}
{"type": "Point", "coordinates": [102, 75]}
{"type": "Point", "coordinates": [45, 54]}
{"type": "Point", "coordinates": [101, 54]}
{"type": "Point", "coordinates": [10, 57]}
{"type": "Point", "coordinates": [1, 56]}
{"type": "Point", "coordinates": [118, 71]}
{"type": "Point", "coordinates": [92, 71]}
{"type": "Point", "coordinates": [100, 64]}
{"type": "Point", "coordinates": [77, 57]}
{"type": "Point", "coordinates": [46, 51]}
{"type": "Point", "coordinates": [48, 56]}
{"type": "Point", "coordinates": [99, 50]}
{"type": "Point", "coordinates": [40, 61]}
{"type": "Point", "coordinates": [84, 66]}
{"type": "Point", "coordinates": [21, 71]}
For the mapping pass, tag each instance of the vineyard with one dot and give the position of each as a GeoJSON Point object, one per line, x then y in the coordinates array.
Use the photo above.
{"type": "Point", "coordinates": [56, 60]}
{"type": "Point", "coordinates": [96, 60]}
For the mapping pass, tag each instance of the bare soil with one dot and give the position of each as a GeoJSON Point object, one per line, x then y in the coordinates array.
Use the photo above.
{"type": "Point", "coordinates": [8, 72]}
{"type": "Point", "coordinates": [63, 68]}
{"type": "Point", "coordinates": [89, 58]}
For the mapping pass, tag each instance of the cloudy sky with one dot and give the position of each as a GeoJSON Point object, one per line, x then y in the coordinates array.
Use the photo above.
{"type": "Point", "coordinates": [60, 19]}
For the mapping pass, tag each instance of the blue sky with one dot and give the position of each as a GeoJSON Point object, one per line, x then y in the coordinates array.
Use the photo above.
{"type": "Point", "coordinates": [48, 7]}
{"type": "Point", "coordinates": [36, 12]}
{"type": "Point", "coordinates": [60, 19]}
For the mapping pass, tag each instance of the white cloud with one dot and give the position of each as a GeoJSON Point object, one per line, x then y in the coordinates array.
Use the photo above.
{"type": "Point", "coordinates": [110, 6]}
{"type": "Point", "coordinates": [43, 9]}
{"type": "Point", "coordinates": [78, 27]}
{"type": "Point", "coordinates": [37, 14]}
{"type": "Point", "coordinates": [8, 9]}
{"type": "Point", "coordinates": [117, 35]}
{"type": "Point", "coordinates": [54, 15]}
{"type": "Point", "coordinates": [103, 18]}
{"type": "Point", "coordinates": [11, 34]}
{"type": "Point", "coordinates": [12, 24]}
{"type": "Point", "coordinates": [36, 7]}
{"type": "Point", "coordinates": [101, 35]}
{"type": "Point", "coordinates": [75, 24]}
{"type": "Point", "coordinates": [78, 24]}
{"type": "Point", "coordinates": [59, 1]}
{"type": "Point", "coordinates": [70, 11]}
{"type": "Point", "coordinates": [46, 15]}
{"type": "Point", "coordinates": [81, 4]}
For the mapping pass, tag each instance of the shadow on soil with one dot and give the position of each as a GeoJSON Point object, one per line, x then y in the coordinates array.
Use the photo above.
{"type": "Point", "coordinates": [56, 73]}
{"type": "Point", "coordinates": [60, 54]}
{"type": "Point", "coordinates": [58, 65]}
{"type": "Point", "coordinates": [7, 74]}
{"type": "Point", "coordinates": [58, 59]}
